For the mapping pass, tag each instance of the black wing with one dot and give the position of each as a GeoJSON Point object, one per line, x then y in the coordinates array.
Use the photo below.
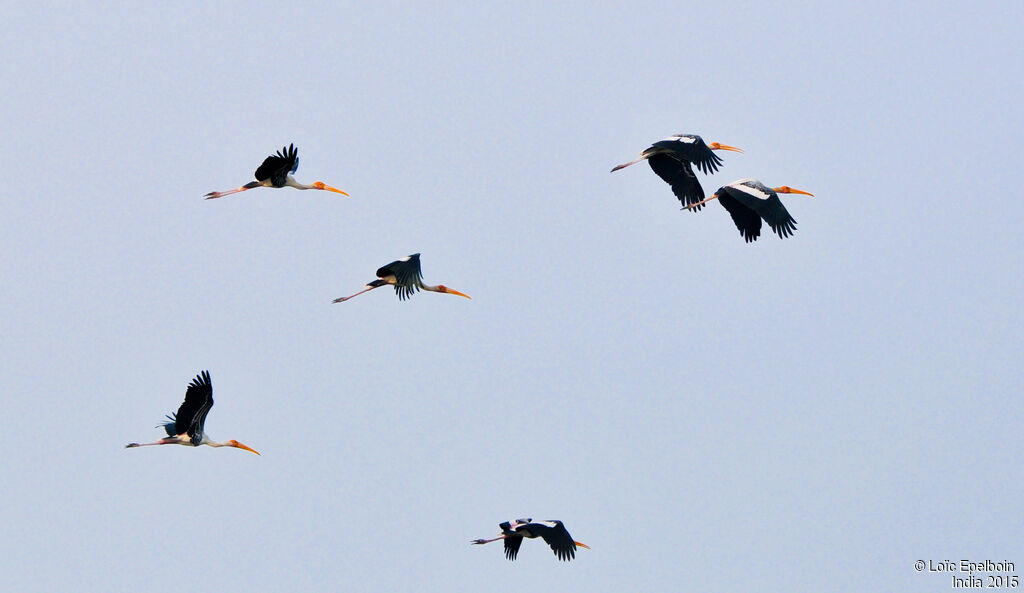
{"type": "Point", "coordinates": [559, 539]}
{"type": "Point", "coordinates": [192, 414]}
{"type": "Point", "coordinates": [407, 273]}
{"type": "Point", "coordinates": [747, 221]}
{"type": "Point", "coordinates": [775, 214]}
{"type": "Point", "coordinates": [696, 152]}
{"type": "Point", "coordinates": [169, 426]}
{"type": "Point", "coordinates": [276, 167]}
{"type": "Point", "coordinates": [512, 544]}
{"type": "Point", "coordinates": [705, 158]}
{"type": "Point", "coordinates": [680, 176]}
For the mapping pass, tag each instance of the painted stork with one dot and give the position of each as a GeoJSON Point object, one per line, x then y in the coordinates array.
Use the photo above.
{"type": "Point", "coordinates": [406, 276]}
{"type": "Point", "coordinates": [186, 427]}
{"type": "Point", "coordinates": [749, 200]}
{"type": "Point", "coordinates": [553, 532]}
{"type": "Point", "coordinates": [276, 171]}
{"type": "Point", "coordinates": [673, 159]}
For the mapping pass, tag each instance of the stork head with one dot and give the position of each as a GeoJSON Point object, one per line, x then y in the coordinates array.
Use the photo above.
{"type": "Point", "coordinates": [443, 288]}
{"type": "Point", "coordinates": [785, 189]}
{"type": "Point", "coordinates": [717, 146]}
{"type": "Point", "coordinates": [324, 186]}
{"type": "Point", "coordinates": [234, 443]}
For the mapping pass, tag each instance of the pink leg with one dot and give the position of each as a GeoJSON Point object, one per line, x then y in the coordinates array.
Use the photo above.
{"type": "Point", "coordinates": [487, 541]}
{"type": "Point", "coordinates": [692, 206]}
{"type": "Point", "coordinates": [167, 441]}
{"type": "Point", "coordinates": [221, 194]}
{"type": "Point", "coordinates": [624, 165]}
{"type": "Point", "coordinates": [368, 289]}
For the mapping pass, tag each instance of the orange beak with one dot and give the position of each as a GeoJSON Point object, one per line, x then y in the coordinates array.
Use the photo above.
{"type": "Point", "coordinates": [785, 189]}
{"type": "Point", "coordinates": [453, 291]}
{"type": "Point", "coordinates": [717, 146]}
{"type": "Point", "coordinates": [581, 544]}
{"type": "Point", "coordinates": [324, 186]}
{"type": "Point", "coordinates": [247, 448]}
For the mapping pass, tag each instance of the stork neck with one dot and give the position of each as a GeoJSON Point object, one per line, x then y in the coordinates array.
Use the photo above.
{"type": "Point", "coordinates": [290, 182]}
{"type": "Point", "coordinates": [207, 441]}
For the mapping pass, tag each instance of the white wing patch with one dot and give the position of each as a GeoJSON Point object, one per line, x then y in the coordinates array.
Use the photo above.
{"type": "Point", "coordinates": [549, 523]}
{"type": "Point", "coordinates": [754, 192]}
{"type": "Point", "coordinates": [681, 138]}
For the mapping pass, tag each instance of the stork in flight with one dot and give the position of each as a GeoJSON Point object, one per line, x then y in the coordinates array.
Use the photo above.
{"type": "Point", "coordinates": [673, 159]}
{"type": "Point", "coordinates": [186, 427]}
{"type": "Point", "coordinates": [406, 276]}
{"type": "Point", "coordinates": [276, 171]}
{"type": "Point", "coordinates": [748, 201]}
{"type": "Point", "coordinates": [553, 532]}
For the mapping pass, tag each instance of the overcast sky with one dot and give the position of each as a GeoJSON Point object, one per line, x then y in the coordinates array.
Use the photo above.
{"type": "Point", "coordinates": [808, 414]}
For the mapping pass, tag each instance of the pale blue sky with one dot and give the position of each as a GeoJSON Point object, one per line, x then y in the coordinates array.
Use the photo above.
{"type": "Point", "coordinates": [808, 414]}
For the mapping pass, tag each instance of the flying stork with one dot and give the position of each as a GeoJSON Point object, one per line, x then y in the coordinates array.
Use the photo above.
{"type": "Point", "coordinates": [749, 200]}
{"type": "Point", "coordinates": [406, 276]}
{"type": "Point", "coordinates": [186, 427]}
{"type": "Point", "coordinates": [553, 532]}
{"type": "Point", "coordinates": [673, 159]}
{"type": "Point", "coordinates": [276, 171]}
